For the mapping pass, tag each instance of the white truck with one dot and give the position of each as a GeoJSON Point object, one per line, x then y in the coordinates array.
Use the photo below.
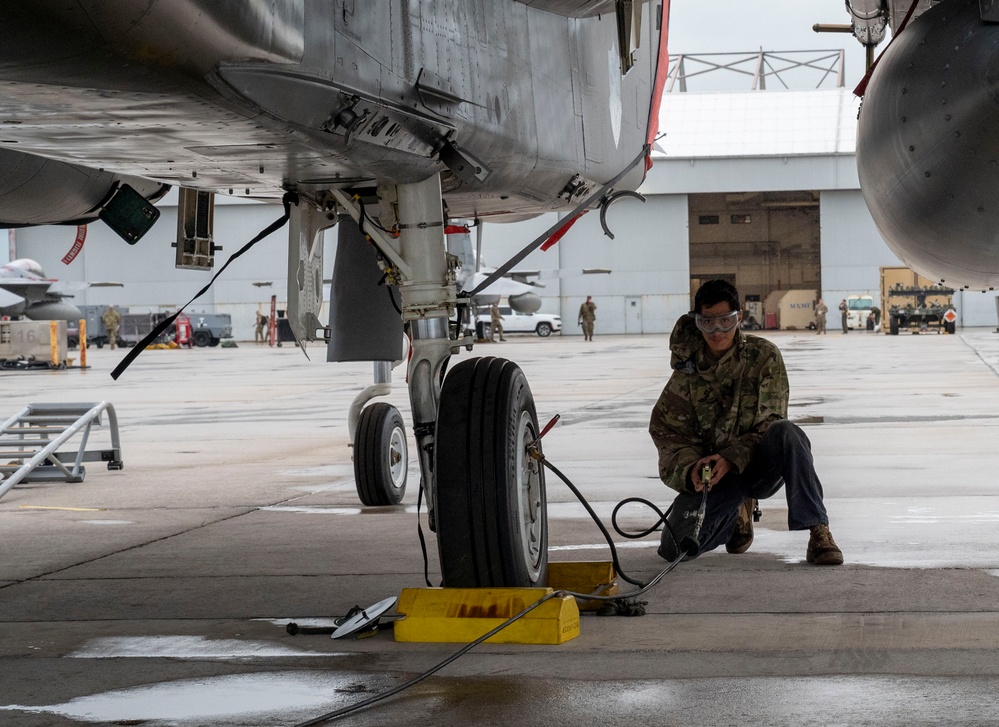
{"type": "Point", "coordinates": [544, 324]}
{"type": "Point", "coordinates": [858, 308]}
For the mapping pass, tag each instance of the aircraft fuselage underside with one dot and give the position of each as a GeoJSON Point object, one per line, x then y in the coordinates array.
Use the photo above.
{"type": "Point", "coordinates": [208, 95]}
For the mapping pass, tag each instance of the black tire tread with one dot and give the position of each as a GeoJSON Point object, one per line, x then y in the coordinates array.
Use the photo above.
{"type": "Point", "coordinates": [370, 470]}
{"type": "Point", "coordinates": [473, 507]}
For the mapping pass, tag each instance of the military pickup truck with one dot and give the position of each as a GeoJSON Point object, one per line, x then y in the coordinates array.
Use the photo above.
{"type": "Point", "coordinates": [914, 303]}
{"type": "Point", "coordinates": [207, 329]}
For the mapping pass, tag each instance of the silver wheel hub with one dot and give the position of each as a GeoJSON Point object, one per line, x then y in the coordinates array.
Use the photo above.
{"type": "Point", "coordinates": [398, 457]}
{"type": "Point", "coordinates": [528, 487]}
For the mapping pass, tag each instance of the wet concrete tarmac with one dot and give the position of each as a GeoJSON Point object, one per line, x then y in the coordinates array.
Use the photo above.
{"type": "Point", "coordinates": [157, 595]}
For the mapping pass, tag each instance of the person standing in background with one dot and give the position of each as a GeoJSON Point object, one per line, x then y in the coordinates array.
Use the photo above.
{"type": "Point", "coordinates": [820, 316]}
{"type": "Point", "coordinates": [112, 319]}
{"type": "Point", "coordinates": [843, 310]}
{"type": "Point", "coordinates": [495, 323]}
{"type": "Point", "coordinates": [258, 328]}
{"type": "Point", "coordinates": [587, 315]}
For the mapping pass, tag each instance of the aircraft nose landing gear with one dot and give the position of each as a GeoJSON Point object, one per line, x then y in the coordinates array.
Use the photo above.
{"type": "Point", "coordinates": [492, 524]}
{"type": "Point", "coordinates": [485, 492]}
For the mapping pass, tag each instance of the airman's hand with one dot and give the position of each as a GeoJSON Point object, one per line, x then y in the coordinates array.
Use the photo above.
{"type": "Point", "coordinates": [719, 468]}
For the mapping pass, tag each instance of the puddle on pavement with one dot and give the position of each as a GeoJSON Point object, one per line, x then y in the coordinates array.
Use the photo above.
{"type": "Point", "coordinates": [186, 647]}
{"type": "Point", "coordinates": [214, 698]}
{"type": "Point", "coordinates": [918, 518]}
{"type": "Point", "coordinates": [108, 522]}
{"type": "Point", "coordinates": [313, 509]}
{"type": "Point", "coordinates": [331, 510]}
{"type": "Point", "coordinates": [316, 623]}
{"type": "Point", "coordinates": [335, 487]}
{"type": "Point", "coordinates": [329, 470]}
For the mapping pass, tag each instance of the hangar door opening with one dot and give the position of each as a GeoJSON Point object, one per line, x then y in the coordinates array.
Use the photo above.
{"type": "Point", "coordinates": [764, 242]}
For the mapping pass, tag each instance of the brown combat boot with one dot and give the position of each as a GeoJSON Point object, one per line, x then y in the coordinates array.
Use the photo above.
{"type": "Point", "coordinates": [822, 549]}
{"type": "Point", "coordinates": [742, 535]}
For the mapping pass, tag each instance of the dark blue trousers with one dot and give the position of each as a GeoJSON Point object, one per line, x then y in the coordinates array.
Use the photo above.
{"type": "Point", "coordinates": [783, 458]}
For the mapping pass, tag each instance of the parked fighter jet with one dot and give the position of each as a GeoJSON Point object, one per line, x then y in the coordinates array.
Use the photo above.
{"type": "Point", "coordinates": [25, 291]}
{"type": "Point", "coordinates": [389, 118]}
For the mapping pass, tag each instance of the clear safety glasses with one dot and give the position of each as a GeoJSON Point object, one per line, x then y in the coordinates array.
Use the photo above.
{"type": "Point", "coordinates": [717, 324]}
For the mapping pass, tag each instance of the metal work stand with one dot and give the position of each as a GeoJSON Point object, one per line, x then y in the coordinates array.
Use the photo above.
{"type": "Point", "coordinates": [30, 441]}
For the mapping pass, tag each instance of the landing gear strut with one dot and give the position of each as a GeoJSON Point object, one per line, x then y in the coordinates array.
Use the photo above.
{"type": "Point", "coordinates": [485, 494]}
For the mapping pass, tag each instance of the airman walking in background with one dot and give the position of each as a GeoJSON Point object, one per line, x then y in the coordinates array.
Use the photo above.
{"type": "Point", "coordinates": [112, 319]}
{"type": "Point", "coordinates": [587, 314]}
{"type": "Point", "coordinates": [495, 323]}
{"type": "Point", "coordinates": [820, 316]}
{"type": "Point", "coordinates": [258, 329]}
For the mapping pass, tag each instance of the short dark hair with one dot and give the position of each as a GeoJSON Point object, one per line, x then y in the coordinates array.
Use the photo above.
{"type": "Point", "coordinates": [716, 291]}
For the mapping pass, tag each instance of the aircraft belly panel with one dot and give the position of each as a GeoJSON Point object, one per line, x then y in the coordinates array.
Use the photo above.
{"type": "Point", "coordinates": [237, 94]}
{"type": "Point", "coordinates": [554, 120]}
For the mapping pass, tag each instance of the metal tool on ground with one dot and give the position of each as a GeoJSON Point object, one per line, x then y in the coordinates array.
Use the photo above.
{"type": "Point", "coordinates": [33, 437]}
{"type": "Point", "coordinates": [365, 619]}
{"type": "Point", "coordinates": [355, 621]}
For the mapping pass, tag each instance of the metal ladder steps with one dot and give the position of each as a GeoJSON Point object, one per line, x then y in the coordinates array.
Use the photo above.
{"type": "Point", "coordinates": [63, 417]}
{"type": "Point", "coordinates": [20, 431]}
{"type": "Point", "coordinates": [48, 422]}
{"type": "Point", "coordinates": [36, 433]}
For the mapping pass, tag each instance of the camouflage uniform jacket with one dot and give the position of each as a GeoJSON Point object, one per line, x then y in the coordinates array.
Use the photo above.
{"type": "Point", "coordinates": [716, 406]}
{"type": "Point", "coordinates": [588, 312]}
{"type": "Point", "coordinates": [111, 318]}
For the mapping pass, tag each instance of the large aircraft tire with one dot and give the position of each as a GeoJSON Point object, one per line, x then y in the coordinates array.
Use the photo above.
{"type": "Point", "coordinates": [893, 326]}
{"type": "Point", "coordinates": [381, 458]}
{"type": "Point", "coordinates": [201, 338]}
{"type": "Point", "coordinates": [491, 509]}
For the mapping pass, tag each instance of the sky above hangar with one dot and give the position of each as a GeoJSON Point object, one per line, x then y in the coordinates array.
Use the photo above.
{"type": "Point", "coordinates": [721, 26]}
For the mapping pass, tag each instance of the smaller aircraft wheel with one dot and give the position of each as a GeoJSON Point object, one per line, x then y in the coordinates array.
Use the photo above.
{"type": "Point", "coordinates": [201, 338]}
{"type": "Point", "coordinates": [544, 330]}
{"type": "Point", "coordinates": [381, 458]}
{"type": "Point", "coordinates": [893, 326]}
